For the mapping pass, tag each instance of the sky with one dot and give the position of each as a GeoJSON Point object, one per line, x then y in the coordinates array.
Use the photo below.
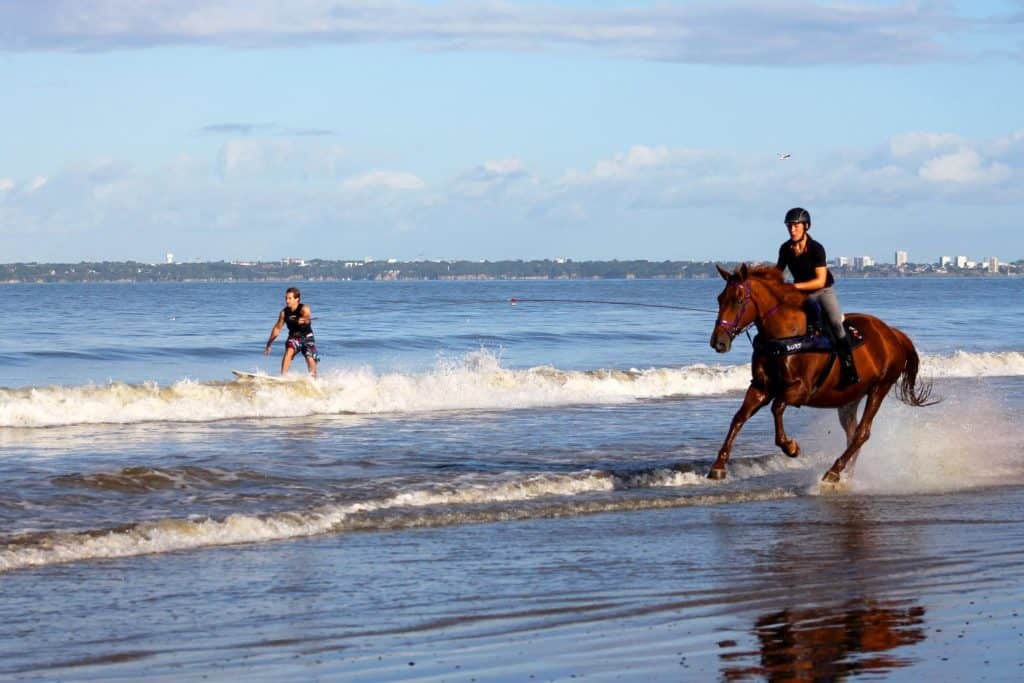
{"type": "Point", "coordinates": [256, 129]}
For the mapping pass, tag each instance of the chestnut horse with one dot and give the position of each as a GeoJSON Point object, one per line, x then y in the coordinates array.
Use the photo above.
{"type": "Point", "coordinates": [757, 295]}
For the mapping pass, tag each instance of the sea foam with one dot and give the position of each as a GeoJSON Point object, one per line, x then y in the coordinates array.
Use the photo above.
{"type": "Point", "coordinates": [472, 500]}
{"type": "Point", "coordinates": [475, 382]}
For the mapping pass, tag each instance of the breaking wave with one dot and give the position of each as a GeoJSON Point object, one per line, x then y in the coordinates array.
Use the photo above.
{"type": "Point", "coordinates": [477, 499]}
{"type": "Point", "coordinates": [476, 382]}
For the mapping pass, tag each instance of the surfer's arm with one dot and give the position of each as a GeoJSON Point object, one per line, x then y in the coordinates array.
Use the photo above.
{"type": "Point", "coordinates": [305, 315]}
{"type": "Point", "coordinates": [274, 332]}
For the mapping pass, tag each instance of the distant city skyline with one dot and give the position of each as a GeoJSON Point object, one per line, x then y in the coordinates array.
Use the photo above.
{"type": "Point", "coordinates": [628, 129]}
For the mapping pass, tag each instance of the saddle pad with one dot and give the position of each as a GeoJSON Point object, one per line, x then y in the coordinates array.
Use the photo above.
{"type": "Point", "coordinates": [808, 343]}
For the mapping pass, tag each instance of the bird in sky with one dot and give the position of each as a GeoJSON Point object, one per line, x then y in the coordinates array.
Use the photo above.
{"type": "Point", "coordinates": [783, 155]}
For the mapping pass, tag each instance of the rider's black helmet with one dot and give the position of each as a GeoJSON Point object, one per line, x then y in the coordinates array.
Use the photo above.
{"type": "Point", "coordinates": [798, 215]}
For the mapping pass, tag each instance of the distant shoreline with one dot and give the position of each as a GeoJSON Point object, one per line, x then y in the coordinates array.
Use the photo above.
{"type": "Point", "coordinates": [338, 271]}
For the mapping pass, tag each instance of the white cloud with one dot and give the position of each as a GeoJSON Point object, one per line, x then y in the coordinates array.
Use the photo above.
{"type": "Point", "coordinates": [494, 180]}
{"type": "Point", "coordinates": [1008, 145]}
{"type": "Point", "coordinates": [116, 203]}
{"type": "Point", "coordinates": [640, 159]}
{"type": "Point", "coordinates": [963, 167]}
{"type": "Point", "coordinates": [909, 144]}
{"type": "Point", "coordinates": [247, 157]}
{"type": "Point", "coordinates": [733, 32]}
{"type": "Point", "coordinates": [387, 180]}
{"type": "Point", "coordinates": [504, 167]}
{"type": "Point", "coordinates": [294, 159]}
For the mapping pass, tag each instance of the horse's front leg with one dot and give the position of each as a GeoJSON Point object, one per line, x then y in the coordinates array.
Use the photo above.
{"type": "Point", "coordinates": [788, 445]}
{"type": "Point", "coordinates": [755, 399]}
{"type": "Point", "coordinates": [861, 434]}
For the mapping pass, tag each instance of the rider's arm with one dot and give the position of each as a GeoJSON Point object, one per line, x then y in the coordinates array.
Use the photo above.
{"type": "Point", "coordinates": [305, 315]}
{"type": "Point", "coordinates": [820, 278]}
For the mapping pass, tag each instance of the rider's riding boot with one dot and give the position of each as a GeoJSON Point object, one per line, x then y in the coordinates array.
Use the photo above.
{"type": "Point", "coordinates": [847, 370]}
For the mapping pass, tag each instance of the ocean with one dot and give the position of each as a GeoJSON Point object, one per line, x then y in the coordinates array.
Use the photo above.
{"type": "Point", "coordinates": [481, 489]}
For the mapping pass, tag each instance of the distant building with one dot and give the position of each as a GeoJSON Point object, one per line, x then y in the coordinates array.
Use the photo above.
{"type": "Point", "coordinates": [862, 262]}
{"type": "Point", "coordinates": [842, 261]}
{"type": "Point", "coordinates": [170, 257]}
{"type": "Point", "coordinates": [293, 261]}
{"type": "Point", "coordinates": [961, 261]}
{"type": "Point", "coordinates": [899, 258]}
{"type": "Point", "coordinates": [945, 261]}
{"type": "Point", "coordinates": [993, 264]}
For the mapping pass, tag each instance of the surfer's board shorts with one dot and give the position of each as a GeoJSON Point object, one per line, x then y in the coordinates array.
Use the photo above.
{"type": "Point", "coordinates": [304, 345]}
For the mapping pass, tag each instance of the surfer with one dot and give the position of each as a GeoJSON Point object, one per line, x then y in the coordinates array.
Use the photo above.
{"type": "Point", "coordinates": [298, 317]}
{"type": "Point", "coordinates": [805, 258]}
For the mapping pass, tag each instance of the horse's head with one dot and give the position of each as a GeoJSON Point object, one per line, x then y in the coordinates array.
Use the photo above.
{"type": "Point", "coordinates": [736, 310]}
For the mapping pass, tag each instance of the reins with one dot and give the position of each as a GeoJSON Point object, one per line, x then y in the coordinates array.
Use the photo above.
{"type": "Point", "coordinates": [516, 300]}
{"type": "Point", "coordinates": [733, 327]}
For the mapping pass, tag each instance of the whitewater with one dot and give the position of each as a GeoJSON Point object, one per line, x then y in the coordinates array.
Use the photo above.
{"type": "Point", "coordinates": [476, 382]}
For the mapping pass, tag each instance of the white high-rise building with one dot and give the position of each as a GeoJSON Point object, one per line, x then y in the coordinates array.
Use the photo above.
{"type": "Point", "coordinates": [993, 264]}
{"type": "Point", "coordinates": [945, 261]}
{"type": "Point", "coordinates": [961, 261]}
{"type": "Point", "coordinates": [842, 261]}
{"type": "Point", "coordinates": [900, 258]}
{"type": "Point", "coordinates": [862, 262]}
{"type": "Point", "coordinates": [170, 257]}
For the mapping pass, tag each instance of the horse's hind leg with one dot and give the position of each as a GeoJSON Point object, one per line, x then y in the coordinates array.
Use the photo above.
{"type": "Point", "coordinates": [861, 434]}
{"type": "Point", "coordinates": [755, 399]}
{"type": "Point", "coordinates": [788, 445]}
{"type": "Point", "coordinates": [848, 420]}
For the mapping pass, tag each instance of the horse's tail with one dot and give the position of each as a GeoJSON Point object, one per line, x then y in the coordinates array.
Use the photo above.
{"type": "Point", "coordinates": [907, 388]}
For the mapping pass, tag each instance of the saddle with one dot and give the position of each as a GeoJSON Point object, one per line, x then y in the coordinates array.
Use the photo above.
{"type": "Point", "coordinates": [818, 337]}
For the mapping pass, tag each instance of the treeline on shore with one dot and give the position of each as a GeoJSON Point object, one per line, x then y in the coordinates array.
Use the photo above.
{"type": "Point", "coordinates": [293, 269]}
{"type": "Point", "coordinates": [131, 271]}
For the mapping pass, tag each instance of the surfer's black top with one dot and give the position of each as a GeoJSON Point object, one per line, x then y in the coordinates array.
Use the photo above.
{"type": "Point", "coordinates": [802, 266]}
{"type": "Point", "coordinates": [291, 319]}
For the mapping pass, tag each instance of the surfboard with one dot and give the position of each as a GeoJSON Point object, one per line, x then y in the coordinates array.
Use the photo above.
{"type": "Point", "coordinates": [257, 376]}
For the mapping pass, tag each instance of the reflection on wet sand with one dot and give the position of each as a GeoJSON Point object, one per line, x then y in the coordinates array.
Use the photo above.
{"type": "Point", "coordinates": [824, 644]}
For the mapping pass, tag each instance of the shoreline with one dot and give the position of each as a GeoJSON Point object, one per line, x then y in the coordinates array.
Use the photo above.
{"type": "Point", "coordinates": [317, 270]}
{"type": "Point", "coordinates": [485, 278]}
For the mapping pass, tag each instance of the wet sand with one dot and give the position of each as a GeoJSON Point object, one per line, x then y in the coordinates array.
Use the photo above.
{"type": "Point", "coordinates": [818, 587]}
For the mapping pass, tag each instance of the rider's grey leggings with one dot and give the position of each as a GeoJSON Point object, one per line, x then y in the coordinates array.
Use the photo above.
{"type": "Point", "coordinates": [830, 304]}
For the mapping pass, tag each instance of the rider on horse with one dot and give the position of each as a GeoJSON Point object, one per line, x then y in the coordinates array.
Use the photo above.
{"type": "Point", "coordinates": [805, 258]}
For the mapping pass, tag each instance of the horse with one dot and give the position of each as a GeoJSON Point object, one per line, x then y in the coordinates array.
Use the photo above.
{"type": "Point", "coordinates": [758, 295]}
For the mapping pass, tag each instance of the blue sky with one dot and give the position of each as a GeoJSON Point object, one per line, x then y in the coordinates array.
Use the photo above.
{"type": "Point", "coordinates": [242, 129]}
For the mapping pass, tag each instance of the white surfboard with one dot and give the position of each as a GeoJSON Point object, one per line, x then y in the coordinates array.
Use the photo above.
{"type": "Point", "coordinates": [257, 376]}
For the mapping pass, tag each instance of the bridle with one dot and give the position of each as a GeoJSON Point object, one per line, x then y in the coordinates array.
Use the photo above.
{"type": "Point", "coordinates": [733, 327]}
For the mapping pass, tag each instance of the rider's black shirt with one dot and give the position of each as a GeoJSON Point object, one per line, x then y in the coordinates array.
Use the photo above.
{"type": "Point", "coordinates": [802, 267]}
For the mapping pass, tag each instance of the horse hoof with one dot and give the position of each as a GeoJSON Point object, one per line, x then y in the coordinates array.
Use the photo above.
{"type": "Point", "coordinates": [716, 473]}
{"type": "Point", "coordinates": [796, 450]}
{"type": "Point", "coordinates": [831, 477]}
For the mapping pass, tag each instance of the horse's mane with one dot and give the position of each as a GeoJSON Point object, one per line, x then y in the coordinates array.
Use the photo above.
{"type": "Point", "coordinates": [773, 276]}
{"type": "Point", "coordinates": [764, 272]}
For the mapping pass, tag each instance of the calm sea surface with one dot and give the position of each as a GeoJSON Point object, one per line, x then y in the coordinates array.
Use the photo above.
{"type": "Point", "coordinates": [450, 462]}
